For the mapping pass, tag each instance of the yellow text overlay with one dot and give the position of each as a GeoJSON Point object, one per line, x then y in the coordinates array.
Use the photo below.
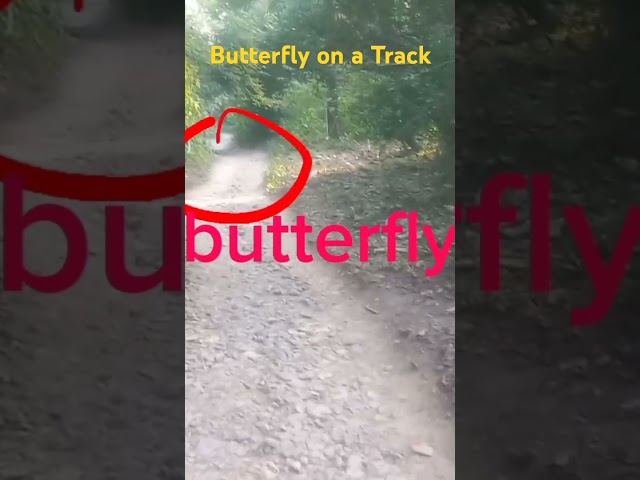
{"type": "Point", "coordinates": [289, 54]}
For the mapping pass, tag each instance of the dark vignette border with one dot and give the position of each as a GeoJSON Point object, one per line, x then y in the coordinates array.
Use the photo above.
{"type": "Point", "coordinates": [547, 88]}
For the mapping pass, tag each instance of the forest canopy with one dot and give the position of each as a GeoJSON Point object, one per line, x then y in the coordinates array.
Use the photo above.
{"type": "Point", "coordinates": [378, 101]}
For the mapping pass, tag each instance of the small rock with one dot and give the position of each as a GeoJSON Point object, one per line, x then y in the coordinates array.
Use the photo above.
{"type": "Point", "coordinates": [355, 467]}
{"type": "Point", "coordinates": [631, 406]}
{"type": "Point", "coordinates": [270, 470]}
{"type": "Point", "coordinates": [319, 411]}
{"type": "Point", "coordinates": [422, 449]}
{"type": "Point", "coordinates": [575, 365]}
{"type": "Point", "coordinates": [294, 465]}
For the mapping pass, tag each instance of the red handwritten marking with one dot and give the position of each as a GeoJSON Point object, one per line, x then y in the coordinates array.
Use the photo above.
{"type": "Point", "coordinates": [275, 208]}
{"type": "Point", "coordinates": [95, 188]}
{"type": "Point", "coordinates": [141, 188]}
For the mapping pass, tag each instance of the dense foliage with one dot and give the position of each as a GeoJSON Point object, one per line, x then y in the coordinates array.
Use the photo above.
{"type": "Point", "coordinates": [193, 104]}
{"type": "Point", "coordinates": [350, 101]}
{"type": "Point", "coordinates": [27, 28]}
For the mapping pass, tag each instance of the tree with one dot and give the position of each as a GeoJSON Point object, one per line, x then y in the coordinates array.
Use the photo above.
{"type": "Point", "coordinates": [403, 103]}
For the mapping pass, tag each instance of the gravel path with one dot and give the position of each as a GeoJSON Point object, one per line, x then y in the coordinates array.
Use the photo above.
{"type": "Point", "coordinates": [90, 378]}
{"type": "Point", "coordinates": [287, 373]}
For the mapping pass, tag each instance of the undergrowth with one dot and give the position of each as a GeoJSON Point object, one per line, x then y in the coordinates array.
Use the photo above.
{"type": "Point", "coordinates": [356, 185]}
{"type": "Point", "coordinates": [31, 46]}
{"type": "Point", "coordinates": [29, 30]}
{"type": "Point", "coordinates": [198, 160]}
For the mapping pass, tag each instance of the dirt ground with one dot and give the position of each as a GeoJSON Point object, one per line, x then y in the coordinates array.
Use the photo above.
{"type": "Point", "coordinates": [291, 371]}
{"type": "Point", "coordinates": [81, 370]}
{"type": "Point", "coordinates": [306, 371]}
{"type": "Point", "coordinates": [538, 398]}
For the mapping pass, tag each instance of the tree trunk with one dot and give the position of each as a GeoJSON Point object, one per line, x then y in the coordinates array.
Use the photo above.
{"type": "Point", "coordinates": [334, 127]}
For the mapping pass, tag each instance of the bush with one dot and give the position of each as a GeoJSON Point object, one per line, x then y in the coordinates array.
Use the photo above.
{"type": "Point", "coordinates": [28, 28]}
{"type": "Point", "coordinates": [305, 109]}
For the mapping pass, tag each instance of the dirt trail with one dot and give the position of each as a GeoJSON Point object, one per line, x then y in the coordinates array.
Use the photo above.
{"type": "Point", "coordinates": [288, 375]}
{"type": "Point", "coordinates": [82, 369]}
